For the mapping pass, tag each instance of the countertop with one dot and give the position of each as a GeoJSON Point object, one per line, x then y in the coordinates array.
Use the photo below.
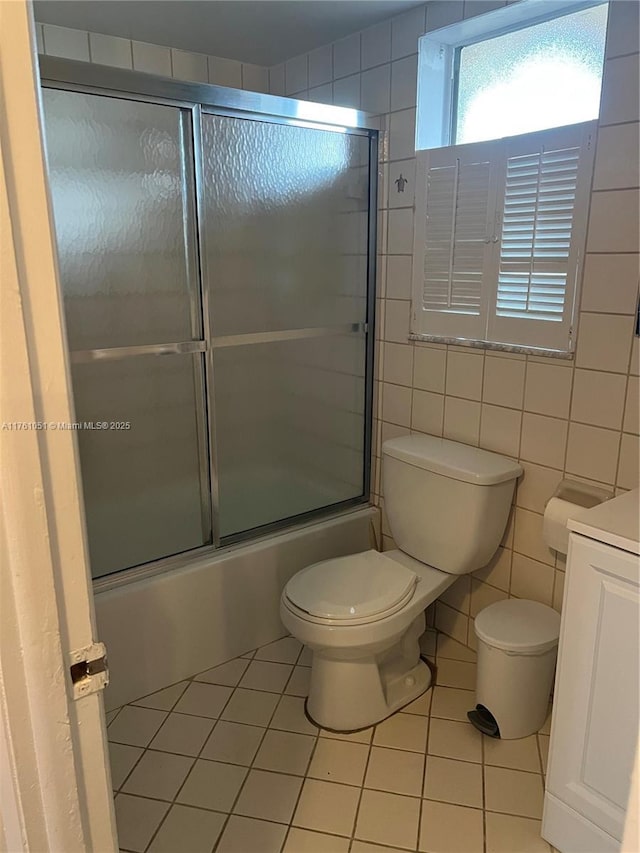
{"type": "Point", "coordinates": [615, 522]}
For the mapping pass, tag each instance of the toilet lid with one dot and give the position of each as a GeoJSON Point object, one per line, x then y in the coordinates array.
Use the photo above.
{"type": "Point", "coordinates": [351, 587]}
{"type": "Point", "coordinates": [516, 625]}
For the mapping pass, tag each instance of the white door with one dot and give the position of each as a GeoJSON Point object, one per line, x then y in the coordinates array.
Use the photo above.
{"type": "Point", "coordinates": [54, 772]}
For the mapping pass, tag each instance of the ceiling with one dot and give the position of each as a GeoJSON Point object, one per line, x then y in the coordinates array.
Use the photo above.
{"type": "Point", "coordinates": [264, 32]}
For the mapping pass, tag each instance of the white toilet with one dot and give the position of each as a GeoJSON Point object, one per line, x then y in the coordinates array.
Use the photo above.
{"type": "Point", "coordinates": [362, 615]}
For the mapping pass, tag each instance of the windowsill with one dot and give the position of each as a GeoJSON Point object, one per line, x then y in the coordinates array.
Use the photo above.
{"type": "Point", "coordinates": [490, 345]}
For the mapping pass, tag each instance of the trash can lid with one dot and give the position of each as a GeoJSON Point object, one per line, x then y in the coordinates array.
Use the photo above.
{"type": "Point", "coordinates": [516, 625]}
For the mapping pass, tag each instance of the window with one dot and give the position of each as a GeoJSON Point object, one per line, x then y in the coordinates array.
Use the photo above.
{"type": "Point", "coordinates": [503, 179]}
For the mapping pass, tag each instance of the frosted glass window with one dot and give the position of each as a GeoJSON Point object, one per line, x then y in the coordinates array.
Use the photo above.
{"type": "Point", "coordinates": [546, 75]}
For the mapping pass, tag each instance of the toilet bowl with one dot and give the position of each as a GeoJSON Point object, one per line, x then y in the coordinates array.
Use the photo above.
{"type": "Point", "coordinates": [362, 615]}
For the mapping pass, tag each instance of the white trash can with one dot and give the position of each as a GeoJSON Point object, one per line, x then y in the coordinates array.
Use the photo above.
{"type": "Point", "coordinates": [517, 649]}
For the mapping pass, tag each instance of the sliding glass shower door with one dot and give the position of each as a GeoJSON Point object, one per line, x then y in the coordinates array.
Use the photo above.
{"type": "Point", "coordinates": [285, 239]}
{"type": "Point", "coordinates": [216, 273]}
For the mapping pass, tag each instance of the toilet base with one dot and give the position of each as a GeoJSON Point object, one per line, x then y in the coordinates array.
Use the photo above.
{"type": "Point", "coordinates": [349, 694]}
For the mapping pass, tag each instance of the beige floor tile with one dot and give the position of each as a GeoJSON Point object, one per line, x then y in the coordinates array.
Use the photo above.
{"type": "Point", "coordinates": [298, 684]}
{"type": "Point", "coordinates": [513, 792]}
{"type": "Point", "coordinates": [420, 706]}
{"type": "Point", "coordinates": [249, 655]}
{"type": "Point", "coordinates": [263, 675]}
{"type": "Point", "coordinates": [158, 775]}
{"type": "Point", "coordinates": [212, 785]}
{"type": "Point", "coordinates": [305, 841]}
{"type": "Point", "coordinates": [136, 726]}
{"type": "Point", "coordinates": [228, 673]}
{"type": "Point", "coordinates": [543, 741]}
{"type": "Point", "coordinates": [235, 743]}
{"type": "Point", "coordinates": [253, 707]}
{"type": "Point", "coordinates": [290, 717]}
{"type": "Point", "coordinates": [520, 754]}
{"type": "Point", "coordinates": [137, 819]}
{"type": "Point", "coordinates": [546, 729]}
{"type": "Point", "coordinates": [395, 770]}
{"type": "Point", "coordinates": [286, 650]}
{"type": "Point", "coordinates": [506, 834]}
{"type": "Point", "coordinates": [269, 796]}
{"type": "Point", "coordinates": [327, 807]}
{"type": "Point", "coordinates": [365, 847]}
{"type": "Point", "coordinates": [203, 700]}
{"type": "Point", "coordinates": [183, 734]}
{"type": "Point", "coordinates": [450, 703]}
{"type": "Point", "coordinates": [450, 829]}
{"type": "Point", "coordinates": [363, 736]}
{"type": "Point", "coordinates": [402, 731]}
{"type": "Point", "coordinates": [163, 700]}
{"type": "Point", "coordinates": [246, 835]}
{"type": "Point", "coordinates": [450, 781]}
{"type": "Point", "coordinates": [110, 716]}
{"type": "Point", "coordinates": [188, 830]}
{"type": "Point", "coordinates": [122, 759]}
{"type": "Point", "coordinates": [336, 761]}
{"type": "Point", "coordinates": [285, 751]}
{"type": "Point", "coordinates": [453, 650]}
{"type": "Point", "coordinates": [451, 739]}
{"type": "Point", "coordinates": [456, 673]}
{"type": "Point", "coordinates": [388, 819]}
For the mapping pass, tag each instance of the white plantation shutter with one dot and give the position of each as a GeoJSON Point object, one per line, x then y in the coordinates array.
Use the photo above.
{"type": "Point", "coordinates": [543, 201]}
{"type": "Point", "coordinates": [452, 238]}
{"type": "Point", "coordinates": [499, 233]}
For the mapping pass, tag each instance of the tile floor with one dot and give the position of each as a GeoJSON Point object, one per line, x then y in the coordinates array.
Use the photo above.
{"type": "Point", "coordinates": [228, 762]}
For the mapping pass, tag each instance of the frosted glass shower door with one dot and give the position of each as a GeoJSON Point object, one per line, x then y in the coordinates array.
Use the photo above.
{"type": "Point", "coordinates": [285, 226]}
{"type": "Point", "coordinates": [121, 178]}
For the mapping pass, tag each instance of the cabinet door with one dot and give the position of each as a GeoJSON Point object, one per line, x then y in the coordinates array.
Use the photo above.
{"type": "Point", "coordinates": [595, 722]}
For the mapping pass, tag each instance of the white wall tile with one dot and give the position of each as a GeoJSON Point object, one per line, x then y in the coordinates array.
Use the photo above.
{"type": "Point", "coordinates": [396, 322]}
{"type": "Point", "coordinates": [65, 42]}
{"type": "Point", "coordinates": [322, 94]}
{"type": "Point", "coordinates": [376, 89]}
{"type": "Point", "coordinates": [604, 342]}
{"type": "Point", "coordinates": [610, 284]}
{"type": "Point", "coordinates": [346, 92]}
{"type": "Point", "coordinates": [617, 163]}
{"type": "Point", "coordinates": [398, 284]}
{"type": "Point", "coordinates": [548, 389]}
{"type": "Point", "coordinates": [255, 78]}
{"type": "Point", "coordinates": [543, 440]}
{"type": "Point", "coordinates": [346, 56]}
{"type": "Point", "coordinates": [629, 466]}
{"type": "Point", "coordinates": [405, 31]}
{"type": "Point", "coordinates": [464, 374]}
{"type": "Point", "coordinates": [402, 179]}
{"type": "Point", "coordinates": [441, 13]}
{"type": "Point", "coordinates": [110, 50]}
{"type": "Point", "coordinates": [598, 398]}
{"type": "Point", "coordinates": [536, 486]}
{"type": "Point", "coordinates": [225, 72]}
{"type": "Point", "coordinates": [527, 537]}
{"type": "Point", "coordinates": [623, 28]}
{"type": "Point", "coordinates": [398, 364]}
{"type": "Point", "coordinates": [400, 235]}
{"type": "Point", "coordinates": [40, 38]}
{"type": "Point", "coordinates": [429, 366]}
{"type": "Point", "coordinates": [402, 135]}
{"type": "Point", "coordinates": [396, 407]}
{"type": "Point", "coordinates": [376, 45]}
{"type": "Point", "coordinates": [503, 381]}
{"type": "Point", "coordinates": [592, 452]}
{"type": "Point", "coordinates": [614, 221]}
{"type": "Point", "coordinates": [531, 579]}
{"type": "Point", "coordinates": [151, 58]}
{"type": "Point", "coordinates": [296, 75]}
{"type": "Point", "coordinates": [404, 82]}
{"type": "Point", "coordinates": [500, 429]}
{"type": "Point", "coordinates": [189, 66]}
{"type": "Point", "coordinates": [632, 407]}
{"type": "Point", "coordinates": [427, 412]}
{"type": "Point", "coordinates": [458, 595]}
{"type": "Point", "coordinates": [451, 622]}
{"type": "Point", "coordinates": [320, 66]}
{"type": "Point", "coordinates": [482, 595]}
{"type": "Point", "coordinates": [620, 100]}
{"type": "Point", "coordinates": [498, 571]}
{"type": "Point", "coordinates": [462, 420]}
{"type": "Point", "coordinates": [276, 79]}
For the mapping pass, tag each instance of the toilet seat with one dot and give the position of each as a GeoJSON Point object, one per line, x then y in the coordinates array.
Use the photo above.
{"type": "Point", "coordinates": [351, 590]}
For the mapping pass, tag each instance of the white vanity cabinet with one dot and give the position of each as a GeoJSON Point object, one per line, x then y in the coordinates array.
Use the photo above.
{"type": "Point", "coordinates": [597, 693]}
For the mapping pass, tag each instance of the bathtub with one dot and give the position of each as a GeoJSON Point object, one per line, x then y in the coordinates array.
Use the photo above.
{"type": "Point", "coordinates": [162, 628]}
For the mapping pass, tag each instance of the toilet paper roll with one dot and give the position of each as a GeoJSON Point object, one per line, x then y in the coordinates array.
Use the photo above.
{"type": "Point", "coordinates": [554, 525]}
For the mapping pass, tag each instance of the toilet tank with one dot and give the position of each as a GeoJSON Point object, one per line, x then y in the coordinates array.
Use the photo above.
{"type": "Point", "coordinates": [447, 503]}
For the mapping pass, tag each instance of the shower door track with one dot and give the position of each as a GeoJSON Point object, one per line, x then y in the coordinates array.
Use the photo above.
{"type": "Point", "coordinates": [198, 99]}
